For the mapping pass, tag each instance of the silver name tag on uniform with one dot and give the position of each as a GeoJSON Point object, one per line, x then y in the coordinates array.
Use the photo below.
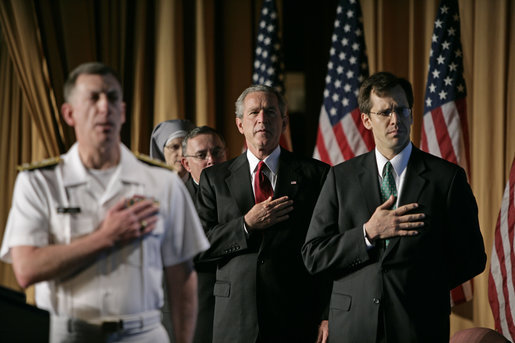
{"type": "Point", "coordinates": [71, 210]}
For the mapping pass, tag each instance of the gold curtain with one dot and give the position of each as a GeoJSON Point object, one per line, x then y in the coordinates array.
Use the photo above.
{"type": "Point", "coordinates": [82, 31]}
{"type": "Point", "coordinates": [233, 64]}
{"type": "Point", "coordinates": [145, 41]}
{"type": "Point", "coordinates": [169, 68]}
{"type": "Point", "coordinates": [30, 130]}
{"type": "Point", "coordinates": [204, 63]}
{"type": "Point", "coordinates": [141, 123]}
{"type": "Point", "coordinates": [11, 127]}
{"type": "Point", "coordinates": [22, 38]}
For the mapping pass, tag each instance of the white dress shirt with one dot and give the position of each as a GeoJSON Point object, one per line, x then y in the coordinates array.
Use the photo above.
{"type": "Point", "coordinates": [399, 163]}
{"type": "Point", "coordinates": [271, 161]}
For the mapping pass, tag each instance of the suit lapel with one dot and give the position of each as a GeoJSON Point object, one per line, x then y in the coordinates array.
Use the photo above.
{"type": "Point", "coordinates": [413, 186]}
{"type": "Point", "coordinates": [239, 183]}
{"type": "Point", "coordinates": [369, 183]}
{"type": "Point", "coordinates": [414, 182]}
{"type": "Point", "coordinates": [288, 179]}
{"type": "Point", "coordinates": [192, 188]}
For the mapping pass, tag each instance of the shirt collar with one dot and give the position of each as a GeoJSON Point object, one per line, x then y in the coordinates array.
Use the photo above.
{"type": "Point", "coordinates": [271, 161]}
{"type": "Point", "coordinates": [75, 173]}
{"type": "Point", "coordinates": [399, 162]}
{"type": "Point", "coordinates": [192, 179]}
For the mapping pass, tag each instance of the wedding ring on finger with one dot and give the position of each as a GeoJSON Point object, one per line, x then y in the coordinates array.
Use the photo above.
{"type": "Point", "coordinates": [143, 224]}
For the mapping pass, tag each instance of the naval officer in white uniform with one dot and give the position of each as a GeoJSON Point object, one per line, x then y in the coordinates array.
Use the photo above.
{"type": "Point", "coordinates": [95, 229]}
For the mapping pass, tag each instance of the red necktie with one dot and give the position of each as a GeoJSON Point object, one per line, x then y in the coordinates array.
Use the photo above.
{"type": "Point", "coordinates": [262, 186]}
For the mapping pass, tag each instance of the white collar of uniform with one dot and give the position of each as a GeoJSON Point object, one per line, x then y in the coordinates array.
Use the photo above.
{"type": "Point", "coordinates": [74, 171]}
{"type": "Point", "coordinates": [131, 166]}
{"type": "Point", "coordinates": [271, 161]}
{"type": "Point", "coordinates": [399, 162]}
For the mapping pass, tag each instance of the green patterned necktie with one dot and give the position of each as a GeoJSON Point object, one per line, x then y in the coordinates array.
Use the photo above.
{"type": "Point", "coordinates": [388, 184]}
{"type": "Point", "coordinates": [388, 188]}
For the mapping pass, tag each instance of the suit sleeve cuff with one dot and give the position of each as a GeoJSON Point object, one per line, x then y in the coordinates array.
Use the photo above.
{"type": "Point", "coordinates": [245, 229]}
{"type": "Point", "coordinates": [367, 241]}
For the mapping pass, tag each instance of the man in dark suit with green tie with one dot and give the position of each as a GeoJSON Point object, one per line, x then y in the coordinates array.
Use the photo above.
{"type": "Point", "coordinates": [395, 228]}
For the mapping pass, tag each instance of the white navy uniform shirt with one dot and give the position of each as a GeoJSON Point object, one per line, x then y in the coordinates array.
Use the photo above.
{"type": "Point", "coordinates": [125, 279]}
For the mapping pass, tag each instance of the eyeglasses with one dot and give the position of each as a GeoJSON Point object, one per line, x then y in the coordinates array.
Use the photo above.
{"type": "Point", "coordinates": [403, 112]}
{"type": "Point", "coordinates": [202, 155]}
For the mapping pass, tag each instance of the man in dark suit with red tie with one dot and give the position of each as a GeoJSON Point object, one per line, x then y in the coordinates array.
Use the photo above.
{"type": "Point", "coordinates": [396, 229]}
{"type": "Point", "coordinates": [255, 210]}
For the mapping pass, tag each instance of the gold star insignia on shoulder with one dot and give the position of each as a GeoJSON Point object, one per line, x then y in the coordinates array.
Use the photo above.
{"type": "Point", "coordinates": [151, 161]}
{"type": "Point", "coordinates": [46, 163]}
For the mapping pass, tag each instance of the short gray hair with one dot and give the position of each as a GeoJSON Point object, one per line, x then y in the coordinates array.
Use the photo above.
{"type": "Point", "coordinates": [264, 89]}
{"type": "Point", "coordinates": [90, 68]}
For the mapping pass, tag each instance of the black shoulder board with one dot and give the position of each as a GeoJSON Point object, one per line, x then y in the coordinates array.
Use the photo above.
{"type": "Point", "coordinates": [151, 161]}
{"type": "Point", "coordinates": [49, 162]}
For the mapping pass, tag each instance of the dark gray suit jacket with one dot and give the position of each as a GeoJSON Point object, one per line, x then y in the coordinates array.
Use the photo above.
{"type": "Point", "coordinates": [192, 188]}
{"type": "Point", "coordinates": [401, 292]}
{"type": "Point", "coordinates": [263, 291]}
{"type": "Point", "coordinates": [206, 276]}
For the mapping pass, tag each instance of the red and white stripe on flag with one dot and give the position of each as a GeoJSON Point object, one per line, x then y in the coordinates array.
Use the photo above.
{"type": "Point", "coordinates": [445, 133]}
{"type": "Point", "coordinates": [343, 141]}
{"type": "Point", "coordinates": [462, 293]}
{"type": "Point", "coordinates": [341, 134]}
{"type": "Point", "coordinates": [501, 280]}
{"type": "Point", "coordinates": [444, 126]}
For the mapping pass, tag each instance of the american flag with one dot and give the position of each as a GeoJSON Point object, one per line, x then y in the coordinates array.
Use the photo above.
{"type": "Point", "coordinates": [341, 134]}
{"type": "Point", "coordinates": [501, 282]}
{"type": "Point", "coordinates": [268, 60]}
{"type": "Point", "coordinates": [445, 129]}
{"type": "Point", "coordinates": [444, 126]}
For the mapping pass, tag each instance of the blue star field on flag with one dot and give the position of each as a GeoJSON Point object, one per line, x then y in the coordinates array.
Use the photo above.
{"type": "Point", "coordinates": [268, 61]}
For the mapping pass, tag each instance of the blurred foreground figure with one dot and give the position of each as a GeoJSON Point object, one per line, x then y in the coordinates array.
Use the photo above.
{"type": "Point", "coordinates": [95, 228]}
